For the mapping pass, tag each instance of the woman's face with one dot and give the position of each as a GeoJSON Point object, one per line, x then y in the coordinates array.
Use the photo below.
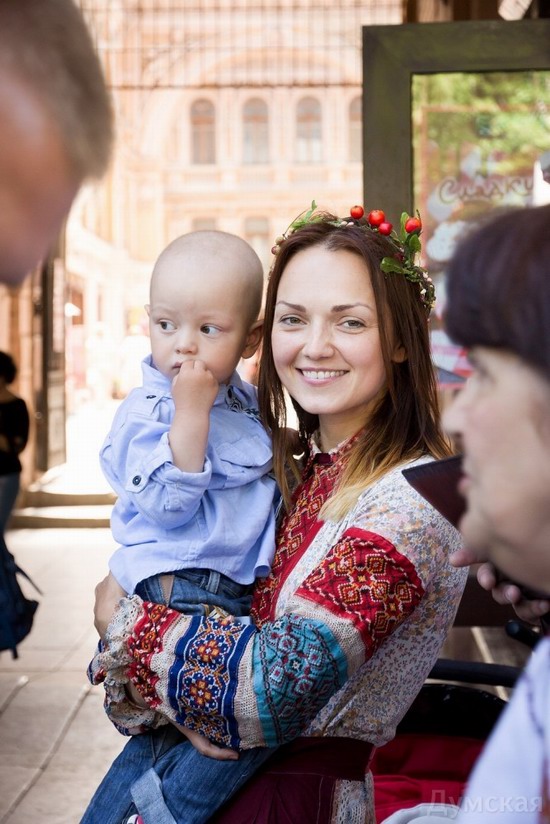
{"type": "Point", "coordinates": [326, 342]}
{"type": "Point", "coordinates": [502, 421]}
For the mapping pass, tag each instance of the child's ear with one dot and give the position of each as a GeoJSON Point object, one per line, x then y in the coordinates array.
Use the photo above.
{"type": "Point", "coordinates": [147, 308]}
{"type": "Point", "coordinates": [253, 339]}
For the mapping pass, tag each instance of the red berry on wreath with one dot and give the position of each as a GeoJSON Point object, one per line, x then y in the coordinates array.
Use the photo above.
{"type": "Point", "coordinates": [357, 212]}
{"type": "Point", "coordinates": [385, 228]}
{"type": "Point", "coordinates": [376, 217]}
{"type": "Point", "coordinates": [413, 224]}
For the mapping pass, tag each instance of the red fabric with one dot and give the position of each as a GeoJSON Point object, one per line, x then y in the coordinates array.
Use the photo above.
{"type": "Point", "coordinates": [298, 529]}
{"type": "Point", "coordinates": [146, 641]}
{"type": "Point", "coordinates": [366, 580]}
{"type": "Point", "coordinates": [417, 768]}
{"type": "Point", "coordinates": [296, 785]}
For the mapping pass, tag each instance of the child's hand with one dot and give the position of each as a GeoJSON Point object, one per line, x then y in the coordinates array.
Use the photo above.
{"type": "Point", "coordinates": [205, 747]}
{"type": "Point", "coordinates": [194, 390]}
{"type": "Point", "coordinates": [194, 387]}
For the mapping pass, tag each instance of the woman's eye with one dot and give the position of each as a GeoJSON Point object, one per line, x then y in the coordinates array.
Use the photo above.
{"type": "Point", "coordinates": [290, 320]}
{"type": "Point", "coordinates": [480, 374]}
{"type": "Point", "coordinates": [352, 324]}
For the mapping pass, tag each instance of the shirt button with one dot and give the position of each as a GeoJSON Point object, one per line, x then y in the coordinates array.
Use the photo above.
{"type": "Point", "coordinates": [136, 480]}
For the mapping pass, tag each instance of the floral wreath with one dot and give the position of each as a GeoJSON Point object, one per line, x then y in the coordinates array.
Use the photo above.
{"type": "Point", "coordinates": [406, 242]}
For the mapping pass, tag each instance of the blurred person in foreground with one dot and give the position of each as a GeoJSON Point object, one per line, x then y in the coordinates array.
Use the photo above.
{"type": "Point", "coordinates": [499, 308]}
{"type": "Point", "coordinates": [56, 126]}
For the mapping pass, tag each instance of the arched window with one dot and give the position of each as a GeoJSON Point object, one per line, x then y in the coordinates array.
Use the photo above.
{"type": "Point", "coordinates": [355, 130]}
{"type": "Point", "coordinates": [203, 132]}
{"type": "Point", "coordinates": [308, 131]}
{"type": "Point", "coordinates": [255, 131]}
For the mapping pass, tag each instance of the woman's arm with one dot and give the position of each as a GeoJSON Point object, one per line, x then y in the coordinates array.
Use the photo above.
{"type": "Point", "coordinates": [243, 686]}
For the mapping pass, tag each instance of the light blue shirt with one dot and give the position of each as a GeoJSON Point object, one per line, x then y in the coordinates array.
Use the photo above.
{"type": "Point", "coordinates": [222, 518]}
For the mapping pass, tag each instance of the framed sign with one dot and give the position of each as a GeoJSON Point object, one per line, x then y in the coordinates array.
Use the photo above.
{"type": "Point", "coordinates": [392, 58]}
{"type": "Point", "coordinates": [456, 124]}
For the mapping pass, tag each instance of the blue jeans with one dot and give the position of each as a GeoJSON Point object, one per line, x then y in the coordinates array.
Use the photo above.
{"type": "Point", "coordinates": [163, 777]}
{"type": "Point", "coordinates": [193, 590]}
{"type": "Point", "coordinates": [160, 774]}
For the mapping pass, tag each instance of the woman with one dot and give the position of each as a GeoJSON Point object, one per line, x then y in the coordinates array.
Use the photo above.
{"type": "Point", "coordinates": [14, 432]}
{"type": "Point", "coordinates": [360, 596]}
{"type": "Point", "coordinates": [499, 307]}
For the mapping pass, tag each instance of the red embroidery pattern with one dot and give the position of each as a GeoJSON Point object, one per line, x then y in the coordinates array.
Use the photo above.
{"type": "Point", "coordinates": [366, 580]}
{"type": "Point", "coordinates": [298, 529]}
{"type": "Point", "coordinates": [146, 641]}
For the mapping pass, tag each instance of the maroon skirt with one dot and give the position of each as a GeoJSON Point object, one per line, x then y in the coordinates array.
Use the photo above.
{"type": "Point", "coordinates": [296, 785]}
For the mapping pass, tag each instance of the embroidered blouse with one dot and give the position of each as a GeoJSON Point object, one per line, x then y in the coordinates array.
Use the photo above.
{"type": "Point", "coordinates": [348, 624]}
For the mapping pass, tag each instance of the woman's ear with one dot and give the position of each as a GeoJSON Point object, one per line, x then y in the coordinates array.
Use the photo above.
{"type": "Point", "coordinates": [399, 354]}
{"type": "Point", "coordinates": [253, 339]}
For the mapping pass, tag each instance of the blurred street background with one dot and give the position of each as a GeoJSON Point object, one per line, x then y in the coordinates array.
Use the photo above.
{"type": "Point", "coordinates": [55, 741]}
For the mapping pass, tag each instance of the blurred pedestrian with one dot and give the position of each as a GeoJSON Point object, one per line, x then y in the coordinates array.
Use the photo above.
{"type": "Point", "coordinates": [16, 610]}
{"type": "Point", "coordinates": [14, 432]}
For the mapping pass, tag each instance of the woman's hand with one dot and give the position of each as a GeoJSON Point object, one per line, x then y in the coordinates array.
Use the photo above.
{"type": "Point", "coordinates": [505, 592]}
{"type": "Point", "coordinates": [107, 595]}
{"type": "Point", "coordinates": [205, 747]}
{"type": "Point", "coordinates": [528, 607]}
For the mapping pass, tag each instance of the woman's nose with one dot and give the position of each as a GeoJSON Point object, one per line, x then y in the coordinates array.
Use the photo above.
{"type": "Point", "coordinates": [453, 415]}
{"type": "Point", "coordinates": [318, 343]}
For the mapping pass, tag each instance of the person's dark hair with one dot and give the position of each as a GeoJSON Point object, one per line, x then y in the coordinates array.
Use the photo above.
{"type": "Point", "coordinates": [498, 286]}
{"type": "Point", "coordinates": [8, 369]}
{"type": "Point", "coordinates": [405, 424]}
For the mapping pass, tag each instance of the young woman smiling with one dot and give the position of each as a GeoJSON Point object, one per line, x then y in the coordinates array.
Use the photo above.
{"type": "Point", "coordinates": [360, 596]}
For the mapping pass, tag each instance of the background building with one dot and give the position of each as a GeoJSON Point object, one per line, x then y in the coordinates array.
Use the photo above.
{"type": "Point", "coordinates": [231, 114]}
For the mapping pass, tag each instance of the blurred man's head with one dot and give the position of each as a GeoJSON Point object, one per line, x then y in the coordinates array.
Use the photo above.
{"type": "Point", "coordinates": [55, 125]}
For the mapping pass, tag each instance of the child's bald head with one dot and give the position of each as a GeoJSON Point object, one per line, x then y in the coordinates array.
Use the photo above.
{"type": "Point", "coordinates": [206, 295]}
{"type": "Point", "coordinates": [225, 260]}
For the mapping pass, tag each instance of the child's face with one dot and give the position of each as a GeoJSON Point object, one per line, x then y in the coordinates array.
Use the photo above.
{"type": "Point", "coordinates": [198, 315]}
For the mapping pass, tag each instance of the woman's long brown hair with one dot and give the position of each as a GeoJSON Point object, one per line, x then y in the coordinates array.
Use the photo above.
{"type": "Point", "coordinates": [405, 424]}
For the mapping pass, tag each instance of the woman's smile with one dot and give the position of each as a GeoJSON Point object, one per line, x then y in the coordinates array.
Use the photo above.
{"type": "Point", "coordinates": [322, 375]}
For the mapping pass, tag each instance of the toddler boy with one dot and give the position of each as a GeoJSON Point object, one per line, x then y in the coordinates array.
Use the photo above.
{"type": "Point", "coordinates": [186, 454]}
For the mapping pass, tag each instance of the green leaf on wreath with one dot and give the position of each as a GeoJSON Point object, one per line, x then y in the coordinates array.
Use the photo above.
{"type": "Point", "coordinates": [390, 265]}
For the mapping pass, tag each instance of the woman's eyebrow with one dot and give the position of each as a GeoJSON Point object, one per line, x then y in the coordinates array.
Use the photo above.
{"type": "Point", "coordinates": [296, 306]}
{"type": "Point", "coordinates": [345, 307]}
{"type": "Point", "coordinates": [340, 307]}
